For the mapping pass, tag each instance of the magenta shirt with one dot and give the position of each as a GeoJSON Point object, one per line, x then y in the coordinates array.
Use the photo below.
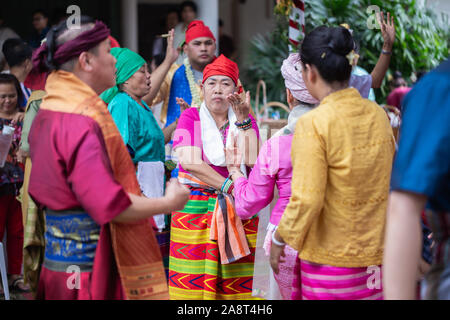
{"type": "Point", "coordinates": [395, 98]}
{"type": "Point", "coordinates": [189, 134]}
{"type": "Point", "coordinates": [273, 167]}
{"type": "Point", "coordinates": [71, 168]}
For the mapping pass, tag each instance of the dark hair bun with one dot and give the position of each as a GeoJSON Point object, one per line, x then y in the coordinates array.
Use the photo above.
{"type": "Point", "coordinates": [327, 48]}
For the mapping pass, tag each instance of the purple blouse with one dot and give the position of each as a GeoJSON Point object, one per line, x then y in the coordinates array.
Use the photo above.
{"type": "Point", "coordinates": [273, 166]}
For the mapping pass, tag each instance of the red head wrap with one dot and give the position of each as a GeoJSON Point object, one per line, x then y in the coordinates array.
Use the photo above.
{"type": "Point", "coordinates": [197, 29]}
{"type": "Point", "coordinates": [222, 66]}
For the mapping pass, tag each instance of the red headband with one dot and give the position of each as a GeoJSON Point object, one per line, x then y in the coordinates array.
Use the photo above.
{"type": "Point", "coordinates": [197, 29]}
{"type": "Point", "coordinates": [222, 66]}
{"type": "Point", "coordinates": [73, 48]}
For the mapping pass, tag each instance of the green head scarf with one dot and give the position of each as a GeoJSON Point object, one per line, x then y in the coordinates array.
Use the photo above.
{"type": "Point", "coordinates": [128, 62]}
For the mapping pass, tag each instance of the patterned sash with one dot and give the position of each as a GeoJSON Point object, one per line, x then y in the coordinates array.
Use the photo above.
{"type": "Point", "coordinates": [226, 226]}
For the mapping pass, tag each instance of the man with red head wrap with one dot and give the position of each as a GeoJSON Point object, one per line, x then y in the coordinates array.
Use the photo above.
{"type": "Point", "coordinates": [199, 48]}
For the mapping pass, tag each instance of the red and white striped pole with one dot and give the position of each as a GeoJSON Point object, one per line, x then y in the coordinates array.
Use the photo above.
{"type": "Point", "coordinates": [296, 24]}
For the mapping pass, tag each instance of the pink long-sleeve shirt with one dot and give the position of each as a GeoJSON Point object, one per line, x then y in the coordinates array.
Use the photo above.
{"type": "Point", "coordinates": [273, 167]}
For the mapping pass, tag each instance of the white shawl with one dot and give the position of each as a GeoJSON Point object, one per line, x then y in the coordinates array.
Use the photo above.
{"type": "Point", "coordinates": [212, 139]}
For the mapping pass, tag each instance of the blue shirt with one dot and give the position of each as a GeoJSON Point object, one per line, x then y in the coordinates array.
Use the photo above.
{"type": "Point", "coordinates": [422, 163]}
{"type": "Point", "coordinates": [178, 89]}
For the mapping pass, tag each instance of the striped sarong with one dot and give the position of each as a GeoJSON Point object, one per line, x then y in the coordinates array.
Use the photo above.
{"type": "Point", "coordinates": [322, 282]}
{"type": "Point", "coordinates": [195, 268]}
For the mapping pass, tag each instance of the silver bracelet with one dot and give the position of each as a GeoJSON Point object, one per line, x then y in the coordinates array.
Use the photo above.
{"type": "Point", "coordinates": [278, 243]}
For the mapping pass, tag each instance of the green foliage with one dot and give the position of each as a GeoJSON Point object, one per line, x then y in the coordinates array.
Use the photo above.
{"type": "Point", "coordinates": [265, 59]}
{"type": "Point", "coordinates": [421, 43]}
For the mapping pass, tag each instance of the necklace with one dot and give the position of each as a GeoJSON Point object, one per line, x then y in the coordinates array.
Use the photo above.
{"type": "Point", "coordinates": [196, 99]}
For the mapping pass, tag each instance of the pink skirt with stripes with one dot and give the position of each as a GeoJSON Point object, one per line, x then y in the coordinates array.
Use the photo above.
{"type": "Point", "coordinates": [323, 282]}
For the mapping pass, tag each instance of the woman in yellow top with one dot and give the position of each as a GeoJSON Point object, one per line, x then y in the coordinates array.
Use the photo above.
{"type": "Point", "coordinates": [342, 155]}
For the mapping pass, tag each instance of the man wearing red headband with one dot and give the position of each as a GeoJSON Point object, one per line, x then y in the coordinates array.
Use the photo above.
{"type": "Point", "coordinates": [199, 48]}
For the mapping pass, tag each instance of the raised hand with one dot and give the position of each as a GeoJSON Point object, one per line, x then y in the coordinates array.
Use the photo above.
{"type": "Point", "coordinates": [387, 30]}
{"type": "Point", "coordinates": [171, 52]}
{"type": "Point", "coordinates": [183, 104]}
{"type": "Point", "coordinates": [241, 108]}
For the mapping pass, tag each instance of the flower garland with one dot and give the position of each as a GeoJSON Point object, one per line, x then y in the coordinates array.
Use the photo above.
{"type": "Point", "coordinates": [195, 92]}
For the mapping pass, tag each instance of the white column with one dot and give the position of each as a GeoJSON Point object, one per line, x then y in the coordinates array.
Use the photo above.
{"type": "Point", "coordinates": [208, 11]}
{"type": "Point", "coordinates": [130, 24]}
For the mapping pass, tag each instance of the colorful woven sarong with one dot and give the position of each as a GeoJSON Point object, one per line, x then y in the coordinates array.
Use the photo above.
{"type": "Point", "coordinates": [322, 282]}
{"type": "Point", "coordinates": [195, 269]}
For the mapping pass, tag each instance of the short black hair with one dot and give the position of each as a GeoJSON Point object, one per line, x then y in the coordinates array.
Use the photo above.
{"type": "Point", "coordinates": [327, 48]}
{"type": "Point", "coordinates": [191, 4]}
{"type": "Point", "coordinates": [16, 51]}
{"type": "Point", "coordinates": [7, 78]}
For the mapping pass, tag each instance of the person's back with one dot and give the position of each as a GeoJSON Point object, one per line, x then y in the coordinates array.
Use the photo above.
{"type": "Point", "coordinates": [395, 98]}
{"type": "Point", "coordinates": [5, 33]}
{"type": "Point", "coordinates": [359, 146]}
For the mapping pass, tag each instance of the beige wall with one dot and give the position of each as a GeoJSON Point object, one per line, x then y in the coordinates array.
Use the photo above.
{"type": "Point", "coordinates": [255, 16]}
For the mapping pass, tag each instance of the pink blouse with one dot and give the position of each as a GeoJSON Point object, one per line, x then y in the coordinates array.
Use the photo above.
{"type": "Point", "coordinates": [273, 166]}
{"type": "Point", "coordinates": [189, 133]}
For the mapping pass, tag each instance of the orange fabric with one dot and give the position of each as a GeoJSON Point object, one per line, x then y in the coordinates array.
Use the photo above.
{"type": "Point", "coordinates": [226, 227]}
{"type": "Point", "coordinates": [135, 247]}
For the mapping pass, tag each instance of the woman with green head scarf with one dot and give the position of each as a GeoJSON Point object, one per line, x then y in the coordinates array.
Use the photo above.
{"type": "Point", "coordinates": [136, 123]}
